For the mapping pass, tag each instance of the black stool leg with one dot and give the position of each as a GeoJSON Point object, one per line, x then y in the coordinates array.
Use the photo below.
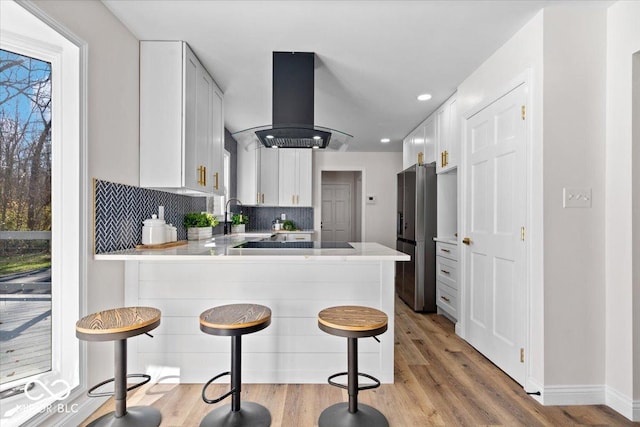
{"type": "Point", "coordinates": [349, 414]}
{"type": "Point", "coordinates": [137, 416]}
{"type": "Point", "coordinates": [252, 414]}
{"type": "Point", "coordinates": [352, 375]}
{"type": "Point", "coordinates": [236, 374]}
{"type": "Point", "coordinates": [120, 382]}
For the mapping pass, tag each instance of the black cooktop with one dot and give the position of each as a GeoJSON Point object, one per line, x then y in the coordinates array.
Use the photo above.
{"type": "Point", "coordinates": [294, 245]}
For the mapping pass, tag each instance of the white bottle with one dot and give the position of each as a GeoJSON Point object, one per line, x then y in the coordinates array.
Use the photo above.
{"type": "Point", "coordinates": [154, 231]}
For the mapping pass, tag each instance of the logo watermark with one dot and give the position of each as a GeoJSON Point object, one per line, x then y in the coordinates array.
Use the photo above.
{"type": "Point", "coordinates": [39, 393]}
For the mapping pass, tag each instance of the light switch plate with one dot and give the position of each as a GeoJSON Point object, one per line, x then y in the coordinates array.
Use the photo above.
{"type": "Point", "coordinates": [576, 197]}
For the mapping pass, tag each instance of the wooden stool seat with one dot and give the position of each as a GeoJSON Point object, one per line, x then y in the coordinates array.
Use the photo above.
{"type": "Point", "coordinates": [235, 319]}
{"type": "Point", "coordinates": [118, 323]}
{"type": "Point", "coordinates": [352, 321]}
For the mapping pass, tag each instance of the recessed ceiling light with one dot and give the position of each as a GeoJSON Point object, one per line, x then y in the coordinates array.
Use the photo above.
{"type": "Point", "coordinates": [269, 136]}
{"type": "Point", "coordinates": [385, 140]}
{"type": "Point", "coordinates": [424, 97]}
{"type": "Point", "coordinates": [316, 137]}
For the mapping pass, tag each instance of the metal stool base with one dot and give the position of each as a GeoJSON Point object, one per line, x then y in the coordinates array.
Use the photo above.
{"type": "Point", "coordinates": [250, 415]}
{"type": "Point", "coordinates": [137, 416]}
{"type": "Point", "coordinates": [338, 415]}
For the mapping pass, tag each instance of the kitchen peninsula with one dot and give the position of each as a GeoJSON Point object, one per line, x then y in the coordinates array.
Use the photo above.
{"type": "Point", "coordinates": [295, 282]}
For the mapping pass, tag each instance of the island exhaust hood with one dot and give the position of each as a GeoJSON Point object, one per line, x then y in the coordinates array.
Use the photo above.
{"type": "Point", "coordinates": [293, 104]}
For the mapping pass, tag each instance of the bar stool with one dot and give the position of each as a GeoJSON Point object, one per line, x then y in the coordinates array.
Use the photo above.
{"type": "Point", "coordinates": [235, 320]}
{"type": "Point", "coordinates": [352, 322]}
{"type": "Point", "coordinates": [118, 325]}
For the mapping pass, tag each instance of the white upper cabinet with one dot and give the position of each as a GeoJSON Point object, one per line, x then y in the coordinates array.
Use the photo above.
{"type": "Point", "coordinates": [447, 135]}
{"type": "Point", "coordinates": [268, 183]}
{"type": "Point", "coordinates": [295, 177]}
{"type": "Point", "coordinates": [258, 176]}
{"type": "Point", "coordinates": [181, 121]}
{"type": "Point", "coordinates": [420, 141]}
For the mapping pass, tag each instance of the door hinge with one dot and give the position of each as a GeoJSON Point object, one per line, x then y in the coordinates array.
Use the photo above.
{"type": "Point", "coordinates": [521, 355]}
{"type": "Point", "coordinates": [522, 233]}
{"type": "Point", "coordinates": [524, 112]}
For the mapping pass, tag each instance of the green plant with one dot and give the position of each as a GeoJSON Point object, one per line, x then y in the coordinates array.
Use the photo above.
{"type": "Point", "coordinates": [288, 225]}
{"type": "Point", "coordinates": [199, 219]}
{"type": "Point", "coordinates": [237, 219]}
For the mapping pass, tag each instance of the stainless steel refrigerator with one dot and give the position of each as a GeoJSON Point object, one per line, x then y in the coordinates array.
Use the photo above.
{"type": "Point", "coordinates": [415, 280]}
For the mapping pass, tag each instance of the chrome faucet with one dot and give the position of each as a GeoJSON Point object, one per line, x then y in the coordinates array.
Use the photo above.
{"type": "Point", "coordinates": [226, 209]}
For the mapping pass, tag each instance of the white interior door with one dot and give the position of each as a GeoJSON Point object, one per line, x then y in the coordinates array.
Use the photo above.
{"type": "Point", "coordinates": [495, 214]}
{"type": "Point", "coordinates": [336, 213]}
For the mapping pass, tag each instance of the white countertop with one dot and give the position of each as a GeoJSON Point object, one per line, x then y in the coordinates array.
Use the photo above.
{"type": "Point", "coordinates": [220, 249]}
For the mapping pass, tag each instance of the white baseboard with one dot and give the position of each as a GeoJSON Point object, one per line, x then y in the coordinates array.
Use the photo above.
{"type": "Point", "coordinates": [592, 395]}
{"type": "Point", "coordinates": [573, 395]}
{"type": "Point", "coordinates": [622, 404]}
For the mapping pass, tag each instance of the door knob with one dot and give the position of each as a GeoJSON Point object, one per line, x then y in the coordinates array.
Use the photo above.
{"type": "Point", "coordinates": [466, 241]}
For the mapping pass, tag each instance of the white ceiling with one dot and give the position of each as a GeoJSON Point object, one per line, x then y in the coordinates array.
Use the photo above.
{"type": "Point", "coordinates": [373, 57]}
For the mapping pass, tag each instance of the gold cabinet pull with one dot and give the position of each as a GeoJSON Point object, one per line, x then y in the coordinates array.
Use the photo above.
{"type": "Point", "coordinates": [204, 176]}
{"type": "Point", "coordinates": [293, 199]}
{"type": "Point", "coordinates": [262, 198]}
{"type": "Point", "coordinates": [420, 158]}
{"type": "Point", "coordinates": [466, 241]}
{"type": "Point", "coordinates": [446, 157]}
{"type": "Point", "coordinates": [445, 271]}
{"type": "Point", "coordinates": [445, 250]}
{"type": "Point", "coordinates": [257, 198]}
{"type": "Point", "coordinates": [445, 298]}
{"type": "Point", "coordinates": [216, 175]}
{"type": "Point", "coordinates": [200, 175]}
{"type": "Point", "coordinates": [297, 199]}
{"type": "Point", "coordinates": [442, 159]}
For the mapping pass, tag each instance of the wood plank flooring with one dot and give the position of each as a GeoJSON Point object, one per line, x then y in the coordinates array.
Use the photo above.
{"type": "Point", "coordinates": [439, 380]}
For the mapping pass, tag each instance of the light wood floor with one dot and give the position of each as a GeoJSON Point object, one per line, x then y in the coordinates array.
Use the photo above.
{"type": "Point", "coordinates": [439, 380]}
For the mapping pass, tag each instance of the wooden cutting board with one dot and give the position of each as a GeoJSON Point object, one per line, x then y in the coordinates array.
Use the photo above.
{"type": "Point", "coordinates": [163, 245]}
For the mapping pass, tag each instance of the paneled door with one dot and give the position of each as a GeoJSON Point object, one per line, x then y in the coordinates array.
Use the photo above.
{"type": "Point", "coordinates": [494, 246]}
{"type": "Point", "coordinates": [336, 213]}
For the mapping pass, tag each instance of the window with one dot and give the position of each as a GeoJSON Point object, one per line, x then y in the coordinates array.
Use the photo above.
{"type": "Point", "coordinates": [26, 39]}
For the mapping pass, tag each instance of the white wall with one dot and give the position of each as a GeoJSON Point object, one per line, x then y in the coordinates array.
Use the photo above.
{"type": "Point", "coordinates": [112, 137]}
{"type": "Point", "coordinates": [378, 176]}
{"type": "Point", "coordinates": [522, 52]}
{"type": "Point", "coordinates": [622, 166]}
{"type": "Point", "coordinates": [574, 150]}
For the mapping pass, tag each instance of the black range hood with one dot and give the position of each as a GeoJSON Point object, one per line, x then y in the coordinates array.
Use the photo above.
{"type": "Point", "coordinates": [292, 104]}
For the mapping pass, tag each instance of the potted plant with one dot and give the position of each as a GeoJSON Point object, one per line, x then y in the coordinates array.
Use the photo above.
{"type": "Point", "coordinates": [199, 225]}
{"type": "Point", "coordinates": [238, 222]}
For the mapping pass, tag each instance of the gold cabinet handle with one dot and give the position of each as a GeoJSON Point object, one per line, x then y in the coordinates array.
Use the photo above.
{"type": "Point", "coordinates": [257, 198]}
{"type": "Point", "coordinates": [216, 184]}
{"type": "Point", "coordinates": [204, 176]}
{"type": "Point", "coordinates": [466, 241]}
{"type": "Point", "coordinates": [293, 199]}
{"type": "Point", "coordinates": [446, 157]}
{"type": "Point", "coordinates": [445, 298]}
{"type": "Point", "coordinates": [262, 198]}
{"type": "Point", "coordinates": [297, 199]}
{"type": "Point", "coordinates": [445, 271]}
{"type": "Point", "coordinates": [200, 175]}
{"type": "Point", "coordinates": [299, 238]}
{"type": "Point", "coordinates": [445, 250]}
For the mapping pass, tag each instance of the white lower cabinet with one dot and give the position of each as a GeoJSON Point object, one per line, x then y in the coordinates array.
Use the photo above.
{"type": "Point", "coordinates": [447, 278]}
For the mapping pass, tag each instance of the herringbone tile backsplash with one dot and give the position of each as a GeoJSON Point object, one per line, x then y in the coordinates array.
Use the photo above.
{"type": "Point", "coordinates": [120, 209]}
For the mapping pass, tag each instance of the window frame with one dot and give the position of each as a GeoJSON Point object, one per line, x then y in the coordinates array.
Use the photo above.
{"type": "Point", "coordinates": [32, 34]}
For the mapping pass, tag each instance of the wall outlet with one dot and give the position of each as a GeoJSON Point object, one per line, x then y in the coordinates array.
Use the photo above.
{"type": "Point", "coordinates": [576, 197]}
{"type": "Point", "coordinates": [371, 199]}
